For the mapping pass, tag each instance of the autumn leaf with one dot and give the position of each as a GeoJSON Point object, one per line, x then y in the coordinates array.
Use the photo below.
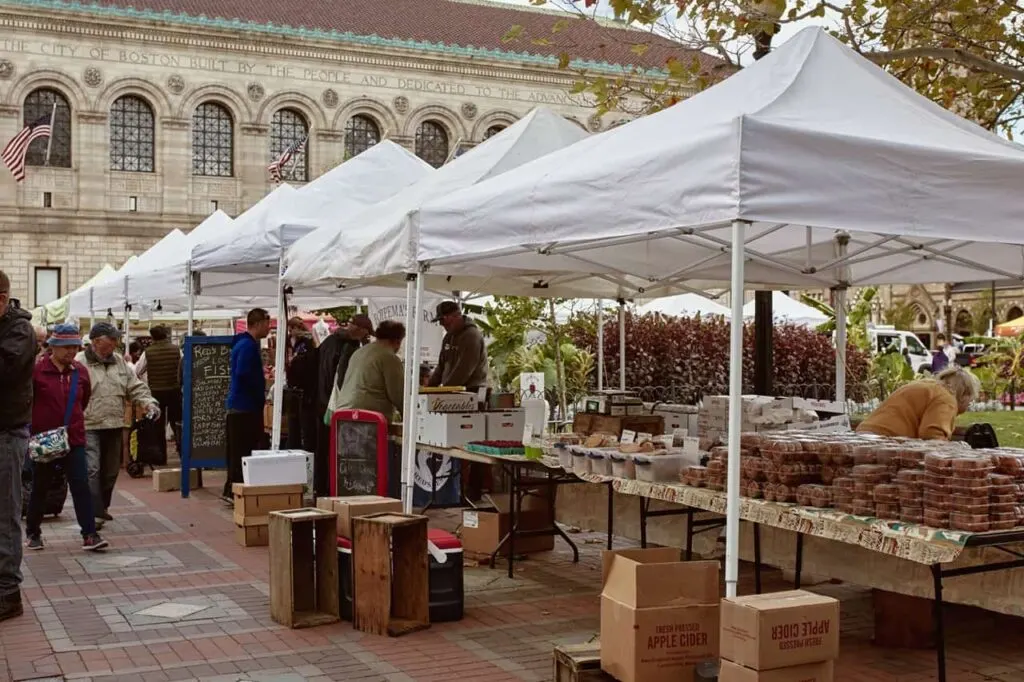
{"type": "Point", "coordinates": [640, 49]}
{"type": "Point", "coordinates": [513, 34]}
{"type": "Point", "coordinates": [563, 60]}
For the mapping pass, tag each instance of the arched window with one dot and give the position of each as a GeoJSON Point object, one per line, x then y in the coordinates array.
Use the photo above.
{"type": "Point", "coordinates": [1013, 313]}
{"type": "Point", "coordinates": [288, 128]}
{"type": "Point", "coordinates": [361, 133]}
{"type": "Point", "coordinates": [44, 102]}
{"type": "Point", "coordinates": [964, 323]}
{"type": "Point", "coordinates": [432, 143]}
{"type": "Point", "coordinates": [213, 141]}
{"type": "Point", "coordinates": [131, 135]}
{"type": "Point", "coordinates": [492, 131]}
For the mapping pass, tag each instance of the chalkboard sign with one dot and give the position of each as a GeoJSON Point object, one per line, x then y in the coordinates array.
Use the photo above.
{"type": "Point", "coordinates": [359, 453]}
{"type": "Point", "coordinates": [206, 377]}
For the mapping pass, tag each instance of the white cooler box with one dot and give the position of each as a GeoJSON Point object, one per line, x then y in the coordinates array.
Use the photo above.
{"type": "Point", "coordinates": [278, 467]}
{"type": "Point", "coordinates": [452, 429]}
{"type": "Point", "coordinates": [506, 425]}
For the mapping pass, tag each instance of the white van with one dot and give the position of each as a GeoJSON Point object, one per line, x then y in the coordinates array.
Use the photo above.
{"type": "Point", "coordinates": [884, 338]}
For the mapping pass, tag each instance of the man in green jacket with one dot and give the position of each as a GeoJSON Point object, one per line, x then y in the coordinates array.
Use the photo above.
{"type": "Point", "coordinates": [375, 379]}
{"type": "Point", "coordinates": [463, 359]}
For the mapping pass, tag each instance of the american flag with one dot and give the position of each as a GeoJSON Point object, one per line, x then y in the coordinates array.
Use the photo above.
{"type": "Point", "coordinates": [14, 153]}
{"type": "Point", "coordinates": [286, 156]}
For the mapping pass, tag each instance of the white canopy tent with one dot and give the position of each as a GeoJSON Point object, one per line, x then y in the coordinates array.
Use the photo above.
{"type": "Point", "coordinates": [378, 245]}
{"type": "Point", "coordinates": [81, 300]}
{"type": "Point", "coordinates": [61, 308]}
{"type": "Point", "coordinates": [685, 305]}
{"type": "Point", "coordinates": [855, 178]}
{"type": "Point", "coordinates": [788, 310]}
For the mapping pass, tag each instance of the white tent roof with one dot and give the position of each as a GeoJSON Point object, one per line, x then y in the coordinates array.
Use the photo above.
{"type": "Point", "coordinates": [786, 309]}
{"type": "Point", "coordinates": [381, 240]}
{"type": "Point", "coordinates": [111, 292]}
{"type": "Point", "coordinates": [264, 232]}
{"type": "Point", "coordinates": [81, 298]}
{"type": "Point", "coordinates": [812, 135]}
{"type": "Point", "coordinates": [685, 305]}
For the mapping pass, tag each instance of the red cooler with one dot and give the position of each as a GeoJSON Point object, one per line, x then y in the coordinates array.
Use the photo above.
{"type": "Point", "coordinates": [447, 599]}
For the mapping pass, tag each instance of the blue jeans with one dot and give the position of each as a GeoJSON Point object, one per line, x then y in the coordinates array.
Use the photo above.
{"type": "Point", "coordinates": [13, 446]}
{"type": "Point", "coordinates": [78, 483]}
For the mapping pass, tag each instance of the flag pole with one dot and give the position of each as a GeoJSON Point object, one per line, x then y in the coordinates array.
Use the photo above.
{"type": "Point", "coordinates": [49, 139]}
{"type": "Point", "coordinates": [295, 157]}
{"type": "Point", "coordinates": [455, 150]}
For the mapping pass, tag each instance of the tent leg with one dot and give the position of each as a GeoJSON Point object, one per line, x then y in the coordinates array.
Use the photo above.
{"type": "Point", "coordinates": [282, 341]}
{"type": "Point", "coordinates": [409, 446]}
{"type": "Point", "coordinates": [600, 344]}
{"type": "Point", "coordinates": [411, 376]}
{"type": "Point", "coordinates": [839, 305]}
{"type": "Point", "coordinates": [190, 284]}
{"type": "Point", "coordinates": [622, 345]}
{"type": "Point", "coordinates": [732, 517]}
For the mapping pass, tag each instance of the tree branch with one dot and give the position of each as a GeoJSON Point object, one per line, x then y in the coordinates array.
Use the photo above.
{"type": "Point", "coordinates": [949, 54]}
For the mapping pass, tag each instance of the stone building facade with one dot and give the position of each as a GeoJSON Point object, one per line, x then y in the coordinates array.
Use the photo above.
{"type": "Point", "coordinates": [161, 117]}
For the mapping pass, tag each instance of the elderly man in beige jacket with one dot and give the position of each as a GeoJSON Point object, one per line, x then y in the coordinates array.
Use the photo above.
{"type": "Point", "coordinates": [114, 385]}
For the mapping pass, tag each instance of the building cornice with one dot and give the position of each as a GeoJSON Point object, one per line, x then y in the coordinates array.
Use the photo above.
{"type": "Point", "coordinates": [51, 16]}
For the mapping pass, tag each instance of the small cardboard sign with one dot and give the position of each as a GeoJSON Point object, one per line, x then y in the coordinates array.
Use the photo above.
{"type": "Point", "coordinates": [628, 436]}
{"type": "Point", "coordinates": [691, 444]}
{"type": "Point", "coordinates": [667, 441]}
{"type": "Point", "coordinates": [528, 434]}
{"type": "Point", "coordinates": [641, 437]}
{"type": "Point", "coordinates": [681, 433]}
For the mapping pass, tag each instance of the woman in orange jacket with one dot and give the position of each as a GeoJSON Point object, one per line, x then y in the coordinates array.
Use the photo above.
{"type": "Point", "coordinates": [925, 409]}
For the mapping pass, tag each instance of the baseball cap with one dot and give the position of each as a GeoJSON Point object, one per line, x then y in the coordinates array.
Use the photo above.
{"type": "Point", "coordinates": [65, 335]}
{"type": "Point", "coordinates": [445, 308]}
{"type": "Point", "coordinates": [104, 329]}
{"type": "Point", "coordinates": [363, 322]}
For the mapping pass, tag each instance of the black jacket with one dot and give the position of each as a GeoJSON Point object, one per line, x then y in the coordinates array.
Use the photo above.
{"type": "Point", "coordinates": [17, 360]}
{"type": "Point", "coordinates": [302, 373]}
{"type": "Point", "coordinates": [334, 354]}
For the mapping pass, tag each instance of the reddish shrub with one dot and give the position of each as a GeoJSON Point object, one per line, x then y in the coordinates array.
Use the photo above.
{"type": "Point", "coordinates": [684, 358]}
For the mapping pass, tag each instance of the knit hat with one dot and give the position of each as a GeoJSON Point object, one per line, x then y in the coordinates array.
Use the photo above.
{"type": "Point", "coordinates": [65, 335]}
{"type": "Point", "coordinates": [101, 329]}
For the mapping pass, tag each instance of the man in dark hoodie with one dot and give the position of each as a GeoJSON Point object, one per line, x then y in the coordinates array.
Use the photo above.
{"type": "Point", "coordinates": [247, 394]}
{"type": "Point", "coordinates": [463, 359]}
{"type": "Point", "coordinates": [17, 360]}
{"type": "Point", "coordinates": [332, 357]}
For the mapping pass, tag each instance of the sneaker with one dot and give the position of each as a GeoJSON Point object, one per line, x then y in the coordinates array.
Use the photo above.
{"type": "Point", "coordinates": [10, 605]}
{"type": "Point", "coordinates": [99, 523]}
{"type": "Point", "coordinates": [94, 543]}
{"type": "Point", "coordinates": [34, 542]}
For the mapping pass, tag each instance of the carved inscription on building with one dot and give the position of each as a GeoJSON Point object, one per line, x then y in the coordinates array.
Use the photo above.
{"type": "Point", "coordinates": [217, 63]}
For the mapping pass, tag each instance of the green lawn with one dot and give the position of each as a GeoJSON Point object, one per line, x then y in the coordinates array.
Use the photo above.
{"type": "Point", "coordinates": [1009, 426]}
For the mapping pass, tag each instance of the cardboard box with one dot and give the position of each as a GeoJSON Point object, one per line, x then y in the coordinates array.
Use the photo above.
{"type": "Point", "coordinates": [811, 672]}
{"type": "Point", "coordinates": [505, 425]}
{"type": "Point", "coordinates": [447, 402]}
{"type": "Point", "coordinates": [282, 467]}
{"type": "Point", "coordinates": [254, 502]}
{"type": "Point", "coordinates": [252, 536]}
{"type": "Point", "coordinates": [587, 424]}
{"type": "Point", "coordinates": [483, 528]}
{"type": "Point", "coordinates": [780, 630]}
{"type": "Point", "coordinates": [347, 508]}
{"type": "Point", "coordinates": [168, 480]}
{"type": "Point", "coordinates": [659, 615]}
{"type": "Point", "coordinates": [452, 429]}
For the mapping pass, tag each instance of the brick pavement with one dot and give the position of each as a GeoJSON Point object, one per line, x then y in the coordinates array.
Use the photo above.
{"type": "Point", "coordinates": [177, 599]}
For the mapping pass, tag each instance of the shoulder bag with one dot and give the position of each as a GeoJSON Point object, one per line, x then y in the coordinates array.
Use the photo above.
{"type": "Point", "coordinates": [51, 445]}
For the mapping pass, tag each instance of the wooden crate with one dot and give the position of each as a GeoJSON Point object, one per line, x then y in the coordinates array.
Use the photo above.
{"type": "Point", "coordinates": [252, 536]}
{"type": "Point", "coordinates": [579, 663]}
{"type": "Point", "coordinates": [587, 424]}
{"type": "Point", "coordinates": [303, 568]}
{"type": "Point", "coordinates": [390, 574]}
{"type": "Point", "coordinates": [253, 503]}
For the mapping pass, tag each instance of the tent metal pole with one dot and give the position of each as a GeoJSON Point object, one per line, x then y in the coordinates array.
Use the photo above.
{"type": "Point", "coordinates": [842, 242]}
{"type": "Point", "coordinates": [622, 345]}
{"type": "Point", "coordinates": [409, 356]}
{"type": "Point", "coordinates": [190, 285]}
{"type": "Point", "coordinates": [732, 516]}
{"type": "Point", "coordinates": [127, 317]}
{"type": "Point", "coordinates": [600, 344]}
{"type": "Point", "coordinates": [282, 341]}
{"type": "Point", "coordinates": [409, 446]}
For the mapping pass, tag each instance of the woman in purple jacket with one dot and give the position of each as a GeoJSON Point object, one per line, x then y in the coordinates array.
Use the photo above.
{"type": "Point", "coordinates": [51, 382]}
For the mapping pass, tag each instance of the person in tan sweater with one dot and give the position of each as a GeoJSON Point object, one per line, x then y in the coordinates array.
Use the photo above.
{"type": "Point", "coordinates": [925, 409]}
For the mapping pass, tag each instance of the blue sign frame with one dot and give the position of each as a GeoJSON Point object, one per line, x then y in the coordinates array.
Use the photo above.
{"type": "Point", "coordinates": [187, 464]}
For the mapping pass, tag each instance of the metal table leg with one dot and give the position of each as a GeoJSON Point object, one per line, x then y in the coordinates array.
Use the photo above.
{"type": "Point", "coordinates": [644, 504]}
{"type": "Point", "coordinates": [689, 535]}
{"type": "Point", "coordinates": [611, 512]}
{"type": "Point", "coordinates": [799, 560]}
{"type": "Point", "coordinates": [939, 621]}
{"type": "Point", "coordinates": [757, 558]}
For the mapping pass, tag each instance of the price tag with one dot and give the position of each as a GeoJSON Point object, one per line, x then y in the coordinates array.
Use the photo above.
{"type": "Point", "coordinates": [470, 519]}
{"type": "Point", "coordinates": [628, 436]}
{"type": "Point", "coordinates": [641, 437]}
{"type": "Point", "coordinates": [681, 433]}
{"type": "Point", "coordinates": [528, 434]}
{"type": "Point", "coordinates": [691, 444]}
{"type": "Point", "coordinates": [667, 441]}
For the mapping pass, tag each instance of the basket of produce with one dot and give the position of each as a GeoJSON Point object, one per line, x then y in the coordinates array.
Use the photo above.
{"type": "Point", "coordinates": [496, 447]}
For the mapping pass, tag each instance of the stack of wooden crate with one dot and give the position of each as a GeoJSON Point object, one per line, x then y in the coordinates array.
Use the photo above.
{"type": "Point", "coordinates": [253, 504]}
